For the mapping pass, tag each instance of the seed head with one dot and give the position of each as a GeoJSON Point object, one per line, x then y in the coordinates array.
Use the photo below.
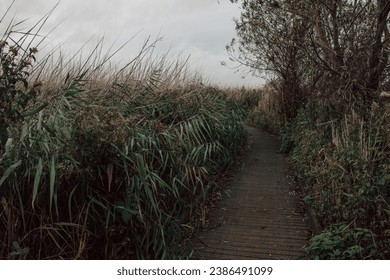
{"type": "Point", "coordinates": [33, 50]}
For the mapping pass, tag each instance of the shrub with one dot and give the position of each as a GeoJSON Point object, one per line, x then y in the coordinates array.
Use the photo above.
{"type": "Point", "coordinates": [341, 241]}
{"type": "Point", "coordinates": [343, 165]}
{"type": "Point", "coordinates": [15, 93]}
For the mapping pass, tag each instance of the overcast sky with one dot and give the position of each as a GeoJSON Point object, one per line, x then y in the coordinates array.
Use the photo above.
{"type": "Point", "coordinates": [200, 28]}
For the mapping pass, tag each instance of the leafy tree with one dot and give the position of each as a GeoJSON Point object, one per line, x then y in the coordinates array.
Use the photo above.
{"type": "Point", "coordinates": [337, 49]}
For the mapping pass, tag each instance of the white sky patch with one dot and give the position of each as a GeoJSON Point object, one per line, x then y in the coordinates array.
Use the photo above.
{"type": "Point", "coordinates": [199, 28]}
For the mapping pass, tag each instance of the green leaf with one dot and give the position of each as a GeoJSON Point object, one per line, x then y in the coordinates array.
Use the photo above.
{"type": "Point", "coordinates": [8, 146]}
{"type": "Point", "coordinates": [37, 180]}
{"type": "Point", "coordinates": [52, 181]}
{"type": "Point", "coordinates": [126, 213]}
{"type": "Point", "coordinates": [36, 110]}
{"type": "Point", "coordinates": [9, 171]}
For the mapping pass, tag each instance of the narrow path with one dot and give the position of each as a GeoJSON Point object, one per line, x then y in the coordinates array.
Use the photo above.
{"type": "Point", "coordinates": [260, 219]}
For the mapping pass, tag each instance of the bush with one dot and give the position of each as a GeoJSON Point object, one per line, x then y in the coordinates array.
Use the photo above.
{"type": "Point", "coordinates": [15, 93]}
{"type": "Point", "coordinates": [344, 167]}
{"type": "Point", "coordinates": [341, 241]}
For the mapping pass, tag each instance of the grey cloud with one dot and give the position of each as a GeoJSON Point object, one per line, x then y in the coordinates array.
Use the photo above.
{"type": "Point", "coordinates": [198, 27]}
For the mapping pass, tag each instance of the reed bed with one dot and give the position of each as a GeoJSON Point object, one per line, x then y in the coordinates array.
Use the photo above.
{"type": "Point", "coordinates": [107, 162]}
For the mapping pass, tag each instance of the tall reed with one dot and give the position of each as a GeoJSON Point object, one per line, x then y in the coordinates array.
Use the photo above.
{"type": "Point", "coordinates": [118, 160]}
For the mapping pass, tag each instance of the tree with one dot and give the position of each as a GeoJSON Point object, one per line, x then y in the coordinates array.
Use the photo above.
{"type": "Point", "coordinates": [337, 49]}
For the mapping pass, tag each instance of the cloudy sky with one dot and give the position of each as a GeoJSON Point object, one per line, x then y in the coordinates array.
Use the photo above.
{"type": "Point", "coordinates": [200, 28]}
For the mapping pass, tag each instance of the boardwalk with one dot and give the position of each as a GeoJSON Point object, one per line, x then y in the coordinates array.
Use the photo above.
{"type": "Point", "coordinates": [260, 219]}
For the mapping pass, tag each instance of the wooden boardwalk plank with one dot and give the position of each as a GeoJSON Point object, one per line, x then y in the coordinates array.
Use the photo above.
{"type": "Point", "coordinates": [260, 219]}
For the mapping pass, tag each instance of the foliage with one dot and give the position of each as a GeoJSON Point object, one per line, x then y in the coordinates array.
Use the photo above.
{"type": "Point", "coordinates": [260, 106]}
{"type": "Point", "coordinates": [16, 95]}
{"type": "Point", "coordinates": [328, 62]}
{"type": "Point", "coordinates": [342, 241]}
{"type": "Point", "coordinates": [119, 162]}
{"type": "Point", "coordinates": [343, 166]}
{"type": "Point", "coordinates": [158, 158]}
{"type": "Point", "coordinates": [335, 49]}
{"type": "Point", "coordinates": [14, 71]}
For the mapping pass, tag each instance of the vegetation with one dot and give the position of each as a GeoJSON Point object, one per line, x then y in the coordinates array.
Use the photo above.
{"type": "Point", "coordinates": [101, 162]}
{"type": "Point", "coordinates": [316, 49]}
{"type": "Point", "coordinates": [105, 163]}
{"type": "Point", "coordinates": [328, 63]}
{"type": "Point", "coordinates": [344, 169]}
